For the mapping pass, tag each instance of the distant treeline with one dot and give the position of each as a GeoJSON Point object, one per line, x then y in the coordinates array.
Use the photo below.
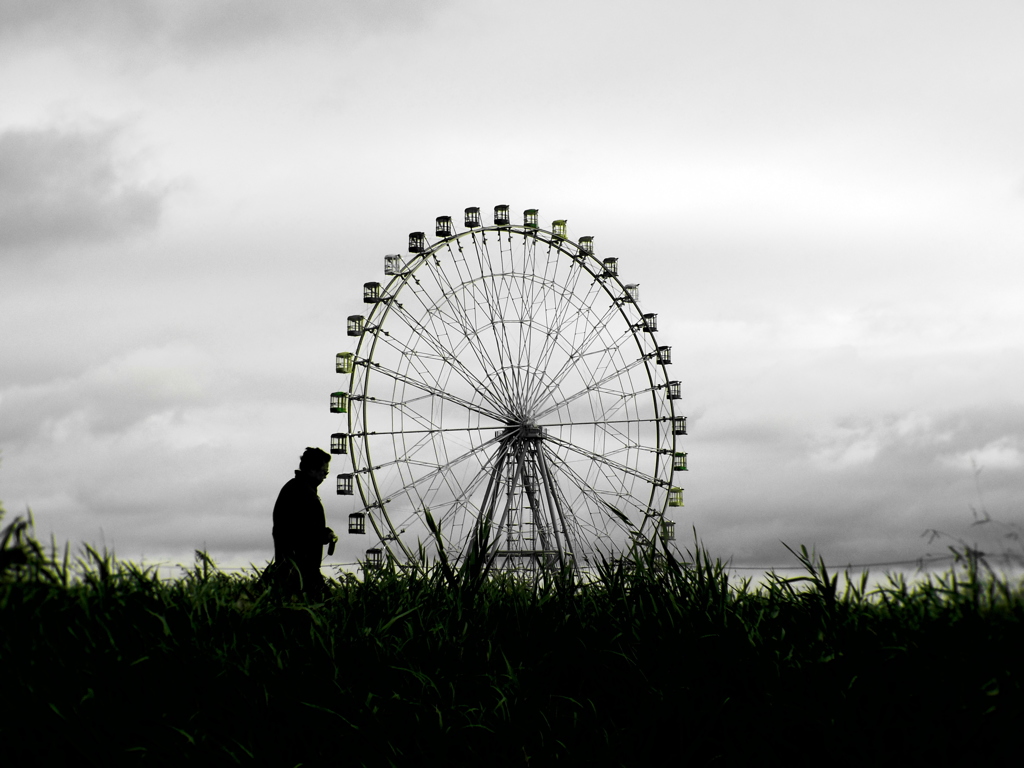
{"type": "Point", "coordinates": [655, 661]}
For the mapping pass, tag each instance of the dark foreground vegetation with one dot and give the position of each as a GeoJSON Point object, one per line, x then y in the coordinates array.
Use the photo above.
{"type": "Point", "coordinates": [654, 662]}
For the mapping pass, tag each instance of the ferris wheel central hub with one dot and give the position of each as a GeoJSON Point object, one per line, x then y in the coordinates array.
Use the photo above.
{"type": "Point", "coordinates": [533, 432]}
{"type": "Point", "coordinates": [525, 431]}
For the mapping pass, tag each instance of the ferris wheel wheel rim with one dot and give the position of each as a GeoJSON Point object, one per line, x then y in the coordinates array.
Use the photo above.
{"type": "Point", "coordinates": [391, 532]}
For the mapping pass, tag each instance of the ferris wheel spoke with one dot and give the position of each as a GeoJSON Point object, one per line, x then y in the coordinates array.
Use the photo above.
{"type": "Point", "coordinates": [446, 521]}
{"type": "Point", "coordinates": [544, 324]}
{"type": "Point", "coordinates": [506, 309]}
{"type": "Point", "coordinates": [436, 391]}
{"type": "Point", "coordinates": [580, 356]}
{"type": "Point", "coordinates": [490, 296]}
{"type": "Point", "coordinates": [499, 329]}
{"type": "Point", "coordinates": [472, 336]}
{"type": "Point", "coordinates": [598, 504]}
{"type": "Point", "coordinates": [614, 403]}
{"type": "Point", "coordinates": [603, 458]}
{"type": "Point", "coordinates": [450, 359]}
{"type": "Point", "coordinates": [552, 324]}
{"type": "Point", "coordinates": [531, 316]}
{"type": "Point", "coordinates": [597, 499]}
{"type": "Point", "coordinates": [459, 496]}
{"type": "Point", "coordinates": [525, 328]}
{"type": "Point", "coordinates": [416, 417]}
{"type": "Point", "coordinates": [403, 460]}
{"type": "Point", "coordinates": [428, 431]}
{"type": "Point", "coordinates": [428, 381]}
{"type": "Point", "coordinates": [618, 373]}
{"type": "Point", "coordinates": [448, 291]}
{"type": "Point", "coordinates": [460, 492]}
{"type": "Point", "coordinates": [434, 313]}
{"type": "Point", "coordinates": [653, 420]}
{"type": "Point", "coordinates": [404, 452]}
{"type": "Point", "coordinates": [459, 315]}
{"type": "Point", "coordinates": [462, 498]}
{"type": "Point", "coordinates": [526, 310]}
{"type": "Point", "coordinates": [580, 352]}
{"type": "Point", "coordinates": [412, 353]}
{"type": "Point", "coordinates": [566, 312]}
{"type": "Point", "coordinates": [510, 364]}
{"type": "Point", "coordinates": [427, 486]}
{"type": "Point", "coordinates": [438, 469]}
{"type": "Point", "coordinates": [472, 285]}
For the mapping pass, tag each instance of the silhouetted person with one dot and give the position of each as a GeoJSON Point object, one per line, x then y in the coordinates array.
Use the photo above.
{"type": "Point", "coordinates": [300, 528]}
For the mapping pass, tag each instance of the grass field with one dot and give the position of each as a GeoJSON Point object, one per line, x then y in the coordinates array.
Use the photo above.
{"type": "Point", "coordinates": [656, 660]}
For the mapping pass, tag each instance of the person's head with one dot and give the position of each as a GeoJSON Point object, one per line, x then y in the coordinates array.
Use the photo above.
{"type": "Point", "coordinates": [314, 463]}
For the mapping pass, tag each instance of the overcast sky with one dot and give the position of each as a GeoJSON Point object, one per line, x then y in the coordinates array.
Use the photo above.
{"type": "Point", "coordinates": [823, 201]}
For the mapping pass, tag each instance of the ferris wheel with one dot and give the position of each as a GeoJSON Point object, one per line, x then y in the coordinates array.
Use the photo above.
{"type": "Point", "coordinates": [506, 386]}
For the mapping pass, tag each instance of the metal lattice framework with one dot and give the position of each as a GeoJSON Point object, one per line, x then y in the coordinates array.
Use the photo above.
{"type": "Point", "coordinates": [505, 380]}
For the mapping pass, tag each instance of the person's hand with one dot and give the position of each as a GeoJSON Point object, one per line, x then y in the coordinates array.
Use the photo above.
{"type": "Point", "coordinates": [329, 536]}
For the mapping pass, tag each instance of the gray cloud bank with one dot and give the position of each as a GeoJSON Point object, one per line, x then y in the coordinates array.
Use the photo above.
{"type": "Point", "coordinates": [857, 454]}
{"type": "Point", "coordinates": [65, 186]}
{"type": "Point", "coordinates": [197, 26]}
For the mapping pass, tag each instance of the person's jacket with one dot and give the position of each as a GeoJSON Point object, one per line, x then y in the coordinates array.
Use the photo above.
{"type": "Point", "coordinates": [299, 525]}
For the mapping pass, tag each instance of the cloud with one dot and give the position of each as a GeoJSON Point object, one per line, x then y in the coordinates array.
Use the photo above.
{"type": "Point", "coordinates": [855, 448]}
{"type": "Point", "coordinates": [143, 27]}
{"type": "Point", "coordinates": [111, 397]}
{"type": "Point", "coordinates": [146, 453]}
{"type": "Point", "coordinates": [164, 448]}
{"type": "Point", "coordinates": [1001, 454]}
{"type": "Point", "coordinates": [860, 489]}
{"type": "Point", "coordinates": [62, 186]}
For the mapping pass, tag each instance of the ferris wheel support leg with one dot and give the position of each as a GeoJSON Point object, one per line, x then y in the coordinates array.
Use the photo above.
{"type": "Point", "coordinates": [484, 523]}
{"type": "Point", "coordinates": [539, 512]}
{"type": "Point", "coordinates": [540, 516]}
{"type": "Point", "coordinates": [547, 511]}
{"type": "Point", "coordinates": [553, 503]}
{"type": "Point", "coordinates": [495, 544]}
